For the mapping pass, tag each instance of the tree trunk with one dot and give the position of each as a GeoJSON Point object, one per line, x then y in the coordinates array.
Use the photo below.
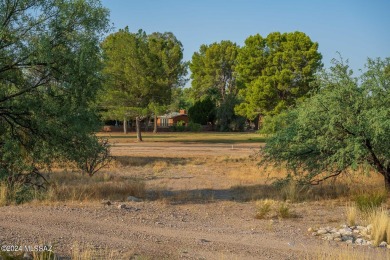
{"type": "Point", "coordinates": [387, 180]}
{"type": "Point", "coordinates": [125, 126]}
{"type": "Point", "coordinates": [155, 124]}
{"type": "Point", "coordinates": [138, 127]}
{"type": "Point", "coordinates": [257, 122]}
{"type": "Point", "coordinates": [147, 125]}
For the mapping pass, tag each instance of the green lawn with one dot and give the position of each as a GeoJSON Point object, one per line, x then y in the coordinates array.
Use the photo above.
{"type": "Point", "coordinates": [186, 137]}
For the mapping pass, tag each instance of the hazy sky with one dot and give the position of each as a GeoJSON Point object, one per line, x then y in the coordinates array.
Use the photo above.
{"type": "Point", "coordinates": [357, 29]}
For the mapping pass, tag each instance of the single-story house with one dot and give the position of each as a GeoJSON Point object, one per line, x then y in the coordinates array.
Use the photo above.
{"type": "Point", "coordinates": [172, 118]}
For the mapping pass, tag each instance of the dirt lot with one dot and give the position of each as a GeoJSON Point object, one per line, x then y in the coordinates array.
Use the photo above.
{"type": "Point", "coordinates": [200, 203]}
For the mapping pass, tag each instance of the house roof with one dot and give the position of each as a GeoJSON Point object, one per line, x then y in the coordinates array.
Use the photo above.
{"type": "Point", "coordinates": [172, 115]}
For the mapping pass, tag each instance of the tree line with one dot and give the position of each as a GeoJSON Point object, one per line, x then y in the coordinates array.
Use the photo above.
{"type": "Point", "coordinates": [236, 84]}
{"type": "Point", "coordinates": [60, 75]}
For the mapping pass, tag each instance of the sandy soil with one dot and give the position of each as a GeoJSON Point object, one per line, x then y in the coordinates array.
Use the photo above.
{"type": "Point", "coordinates": [218, 227]}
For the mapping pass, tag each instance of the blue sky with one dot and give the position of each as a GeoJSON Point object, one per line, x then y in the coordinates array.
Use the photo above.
{"type": "Point", "coordinates": [357, 29]}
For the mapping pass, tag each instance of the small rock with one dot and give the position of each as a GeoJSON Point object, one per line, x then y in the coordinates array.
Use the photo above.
{"type": "Point", "coordinates": [345, 231]}
{"type": "Point", "coordinates": [359, 241]}
{"type": "Point", "coordinates": [314, 234]}
{"type": "Point", "coordinates": [383, 244]}
{"type": "Point", "coordinates": [336, 234]}
{"type": "Point", "coordinates": [328, 237]}
{"type": "Point", "coordinates": [322, 231]}
{"type": "Point", "coordinates": [346, 238]}
{"type": "Point", "coordinates": [121, 206]}
{"type": "Point", "coordinates": [337, 239]}
{"type": "Point", "coordinates": [135, 199]}
{"type": "Point", "coordinates": [349, 241]}
{"type": "Point", "coordinates": [310, 229]}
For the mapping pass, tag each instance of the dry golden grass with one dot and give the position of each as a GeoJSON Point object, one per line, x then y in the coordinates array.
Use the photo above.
{"type": "Point", "coordinates": [273, 209]}
{"type": "Point", "coordinates": [380, 225]}
{"type": "Point", "coordinates": [3, 194]}
{"type": "Point", "coordinates": [89, 252]}
{"type": "Point", "coordinates": [73, 186]}
{"type": "Point", "coordinates": [349, 253]}
{"type": "Point", "coordinates": [264, 208]}
{"type": "Point", "coordinates": [351, 213]}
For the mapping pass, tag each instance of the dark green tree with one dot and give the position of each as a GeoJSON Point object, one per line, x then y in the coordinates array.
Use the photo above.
{"type": "Point", "coordinates": [344, 126]}
{"type": "Point", "coordinates": [202, 112]}
{"type": "Point", "coordinates": [49, 77]}
{"type": "Point", "coordinates": [213, 76]}
{"type": "Point", "coordinates": [141, 71]}
{"type": "Point", "coordinates": [276, 71]}
{"type": "Point", "coordinates": [212, 71]}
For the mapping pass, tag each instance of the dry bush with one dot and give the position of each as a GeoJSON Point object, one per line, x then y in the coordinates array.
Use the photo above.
{"type": "Point", "coordinates": [273, 209]}
{"type": "Point", "coordinates": [284, 211]}
{"type": "Point", "coordinates": [263, 208]}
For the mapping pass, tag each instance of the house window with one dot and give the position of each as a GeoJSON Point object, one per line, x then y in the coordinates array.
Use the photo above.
{"type": "Point", "coordinates": [164, 121]}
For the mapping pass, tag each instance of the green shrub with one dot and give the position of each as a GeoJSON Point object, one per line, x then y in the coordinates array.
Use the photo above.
{"type": "Point", "coordinates": [194, 127]}
{"type": "Point", "coordinates": [370, 201]}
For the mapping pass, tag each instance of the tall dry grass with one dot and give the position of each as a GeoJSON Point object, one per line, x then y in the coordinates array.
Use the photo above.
{"type": "Point", "coordinates": [352, 214]}
{"type": "Point", "coordinates": [79, 187]}
{"type": "Point", "coordinates": [380, 222]}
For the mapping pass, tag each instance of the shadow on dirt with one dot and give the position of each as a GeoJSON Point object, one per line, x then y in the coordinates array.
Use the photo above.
{"type": "Point", "coordinates": [144, 161]}
{"type": "Point", "coordinates": [249, 193]}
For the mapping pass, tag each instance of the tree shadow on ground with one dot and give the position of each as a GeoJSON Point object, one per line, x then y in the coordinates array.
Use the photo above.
{"type": "Point", "coordinates": [150, 160]}
{"type": "Point", "coordinates": [249, 193]}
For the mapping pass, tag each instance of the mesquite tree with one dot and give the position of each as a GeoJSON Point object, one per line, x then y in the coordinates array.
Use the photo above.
{"type": "Point", "coordinates": [344, 126]}
{"type": "Point", "coordinates": [49, 77]}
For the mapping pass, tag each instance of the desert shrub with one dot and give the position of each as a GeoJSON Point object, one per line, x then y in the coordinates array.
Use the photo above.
{"type": "Point", "coordinates": [263, 208]}
{"type": "Point", "coordinates": [284, 211]}
{"type": "Point", "coordinates": [270, 208]}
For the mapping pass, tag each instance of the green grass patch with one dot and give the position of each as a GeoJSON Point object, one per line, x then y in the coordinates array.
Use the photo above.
{"type": "Point", "coordinates": [370, 201]}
